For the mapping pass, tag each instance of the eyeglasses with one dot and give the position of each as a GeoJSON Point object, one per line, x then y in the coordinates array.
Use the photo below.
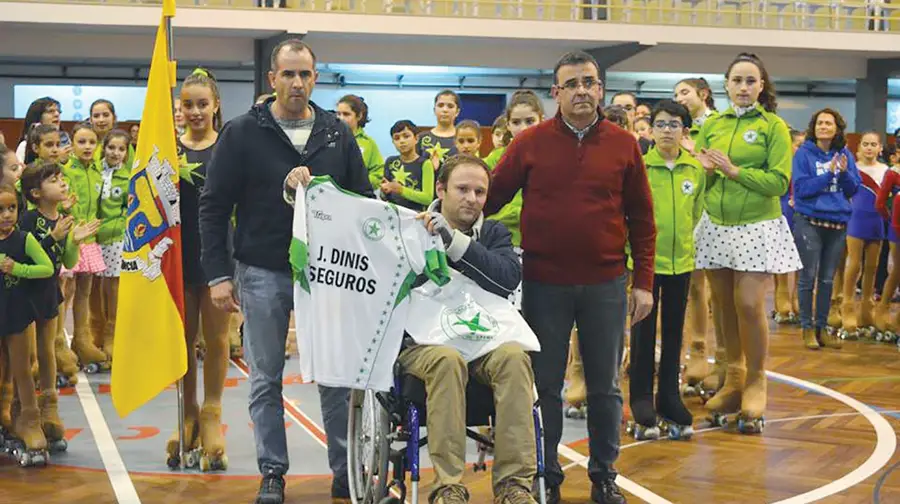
{"type": "Point", "coordinates": [670, 125]}
{"type": "Point", "coordinates": [589, 84]}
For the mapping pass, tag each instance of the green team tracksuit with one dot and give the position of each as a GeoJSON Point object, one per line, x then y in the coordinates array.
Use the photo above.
{"type": "Point", "coordinates": [511, 213]}
{"type": "Point", "coordinates": [371, 157]}
{"type": "Point", "coordinates": [677, 206]}
{"type": "Point", "coordinates": [759, 142]}
{"type": "Point", "coordinates": [113, 203]}
{"type": "Point", "coordinates": [86, 182]}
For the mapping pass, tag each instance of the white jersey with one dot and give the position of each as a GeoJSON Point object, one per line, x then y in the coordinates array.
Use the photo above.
{"type": "Point", "coordinates": [355, 260]}
{"type": "Point", "coordinates": [466, 317]}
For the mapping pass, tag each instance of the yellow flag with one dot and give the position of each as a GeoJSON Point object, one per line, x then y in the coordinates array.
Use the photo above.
{"type": "Point", "coordinates": [150, 352]}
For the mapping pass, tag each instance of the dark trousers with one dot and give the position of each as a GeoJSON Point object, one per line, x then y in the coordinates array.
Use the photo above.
{"type": "Point", "coordinates": [670, 294]}
{"type": "Point", "coordinates": [599, 311]}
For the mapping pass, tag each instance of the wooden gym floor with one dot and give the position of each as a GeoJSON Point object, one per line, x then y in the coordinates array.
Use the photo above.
{"type": "Point", "coordinates": [831, 435]}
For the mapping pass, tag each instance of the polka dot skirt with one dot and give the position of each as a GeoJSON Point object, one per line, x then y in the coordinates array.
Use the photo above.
{"type": "Point", "coordinates": [765, 247]}
{"type": "Point", "coordinates": [516, 297]}
{"type": "Point", "coordinates": [112, 257]}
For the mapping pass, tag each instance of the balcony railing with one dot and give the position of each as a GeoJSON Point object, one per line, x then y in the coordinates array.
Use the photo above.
{"type": "Point", "coordinates": [817, 15]}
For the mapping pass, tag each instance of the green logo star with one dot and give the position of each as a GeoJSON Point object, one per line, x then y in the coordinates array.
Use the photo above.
{"type": "Point", "coordinates": [373, 229]}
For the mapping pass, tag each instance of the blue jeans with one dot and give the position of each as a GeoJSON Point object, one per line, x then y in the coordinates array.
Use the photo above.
{"type": "Point", "coordinates": [820, 251]}
{"type": "Point", "coordinates": [267, 298]}
{"type": "Point", "coordinates": [599, 311]}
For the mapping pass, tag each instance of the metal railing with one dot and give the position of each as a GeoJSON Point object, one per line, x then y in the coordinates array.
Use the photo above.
{"type": "Point", "coordinates": [817, 15]}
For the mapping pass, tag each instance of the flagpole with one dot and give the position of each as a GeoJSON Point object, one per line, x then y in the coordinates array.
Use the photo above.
{"type": "Point", "coordinates": [170, 49]}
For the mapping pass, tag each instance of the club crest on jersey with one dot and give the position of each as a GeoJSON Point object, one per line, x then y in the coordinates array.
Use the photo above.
{"type": "Point", "coordinates": [750, 136]}
{"type": "Point", "coordinates": [687, 187]}
{"type": "Point", "coordinates": [470, 322]}
{"type": "Point", "coordinates": [373, 229]}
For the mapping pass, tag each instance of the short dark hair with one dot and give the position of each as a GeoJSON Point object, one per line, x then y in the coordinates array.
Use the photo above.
{"type": "Point", "coordinates": [35, 175]}
{"type": "Point", "coordinates": [403, 125]}
{"type": "Point", "coordinates": [839, 141]}
{"type": "Point", "coordinates": [617, 115]}
{"type": "Point", "coordinates": [293, 45]}
{"type": "Point", "coordinates": [574, 58]}
{"type": "Point", "coordinates": [672, 108]}
{"type": "Point", "coordinates": [453, 162]}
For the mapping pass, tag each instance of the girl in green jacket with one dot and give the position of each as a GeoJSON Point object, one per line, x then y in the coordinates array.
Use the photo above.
{"type": "Point", "coordinates": [697, 96]}
{"type": "Point", "coordinates": [85, 180]}
{"type": "Point", "coordinates": [354, 112]}
{"type": "Point", "coordinates": [111, 237]}
{"type": "Point", "coordinates": [742, 237]}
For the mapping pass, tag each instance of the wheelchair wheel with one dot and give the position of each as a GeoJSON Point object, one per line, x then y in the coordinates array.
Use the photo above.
{"type": "Point", "coordinates": [368, 448]}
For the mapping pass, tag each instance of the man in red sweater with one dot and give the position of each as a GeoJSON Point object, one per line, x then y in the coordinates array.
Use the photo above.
{"type": "Point", "coordinates": [585, 192]}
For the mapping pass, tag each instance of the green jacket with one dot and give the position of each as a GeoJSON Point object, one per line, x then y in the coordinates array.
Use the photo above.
{"type": "Point", "coordinates": [677, 207]}
{"type": "Point", "coordinates": [86, 183]}
{"type": "Point", "coordinates": [696, 124]}
{"type": "Point", "coordinates": [511, 213]}
{"type": "Point", "coordinates": [113, 204]}
{"type": "Point", "coordinates": [371, 157]}
{"type": "Point", "coordinates": [760, 144]}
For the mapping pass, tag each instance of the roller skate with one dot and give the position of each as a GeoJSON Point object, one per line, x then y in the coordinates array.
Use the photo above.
{"type": "Point", "coordinates": [191, 444]}
{"type": "Point", "coordinates": [727, 400]}
{"type": "Point", "coordinates": [26, 441]}
{"type": "Point", "coordinates": [714, 380]}
{"type": "Point", "coordinates": [212, 457]}
{"type": "Point", "coordinates": [483, 449]}
{"type": "Point", "coordinates": [751, 420]}
{"type": "Point", "coordinates": [644, 425]}
{"type": "Point", "coordinates": [201, 347]}
{"type": "Point", "coordinates": [51, 424]}
{"type": "Point", "coordinates": [696, 369]}
{"type": "Point", "coordinates": [235, 337]}
{"type": "Point", "coordinates": [290, 345]}
{"type": "Point", "coordinates": [834, 315]}
{"type": "Point", "coordinates": [867, 327]}
{"type": "Point", "coordinates": [782, 313]}
{"type": "Point", "coordinates": [810, 338]}
{"type": "Point", "coordinates": [829, 339]}
{"type": "Point", "coordinates": [66, 363]}
{"type": "Point", "coordinates": [576, 391]}
{"type": "Point", "coordinates": [849, 329]}
{"type": "Point", "coordinates": [675, 421]}
{"type": "Point", "coordinates": [91, 358]}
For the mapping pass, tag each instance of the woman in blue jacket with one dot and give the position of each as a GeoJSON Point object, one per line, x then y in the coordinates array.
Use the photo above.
{"type": "Point", "coordinates": [825, 177]}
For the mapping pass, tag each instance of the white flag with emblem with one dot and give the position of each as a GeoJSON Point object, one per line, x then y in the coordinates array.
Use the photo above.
{"type": "Point", "coordinates": [466, 317]}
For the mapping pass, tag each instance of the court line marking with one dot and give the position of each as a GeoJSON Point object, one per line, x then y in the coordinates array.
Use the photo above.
{"type": "Point", "coordinates": [293, 412]}
{"type": "Point", "coordinates": [122, 485]}
{"type": "Point", "coordinates": [297, 414]}
{"type": "Point", "coordinates": [885, 444]}
{"type": "Point", "coordinates": [622, 481]}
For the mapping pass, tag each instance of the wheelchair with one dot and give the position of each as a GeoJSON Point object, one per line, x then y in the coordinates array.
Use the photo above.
{"type": "Point", "coordinates": [378, 420]}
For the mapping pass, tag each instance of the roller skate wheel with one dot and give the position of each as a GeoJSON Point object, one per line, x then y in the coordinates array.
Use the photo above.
{"type": "Point", "coordinates": [61, 381]}
{"type": "Point", "coordinates": [58, 446]}
{"type": "Point", "coordinates": [576, 413]}
{"type": "Point", "coordinates": [642, 433]}
{"type": "Point", "coordinates": [718, 420]}
{"type": "Point", "coordinates": [191, 460]}
{"type": "Point", "coordinates": [173, 462]}
{"type": "Point", "coordinates": [92, 368]}
{"type": "Point", "coordinates": [690, 391]}
{"type": "Point", "coordinates": [751, 426]}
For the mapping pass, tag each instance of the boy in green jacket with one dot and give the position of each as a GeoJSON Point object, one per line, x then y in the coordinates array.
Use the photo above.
{"type": "Point", "coordinates": [677, 182]}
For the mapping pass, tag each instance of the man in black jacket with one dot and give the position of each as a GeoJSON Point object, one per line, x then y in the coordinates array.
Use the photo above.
{"type": "Point", "coordinates": [481, 250]}
{"type": "Point", "coordinates": [276, 145]}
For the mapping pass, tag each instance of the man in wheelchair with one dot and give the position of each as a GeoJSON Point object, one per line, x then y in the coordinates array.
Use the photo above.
{"type": "Point", "coordinates": [482, 251]}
